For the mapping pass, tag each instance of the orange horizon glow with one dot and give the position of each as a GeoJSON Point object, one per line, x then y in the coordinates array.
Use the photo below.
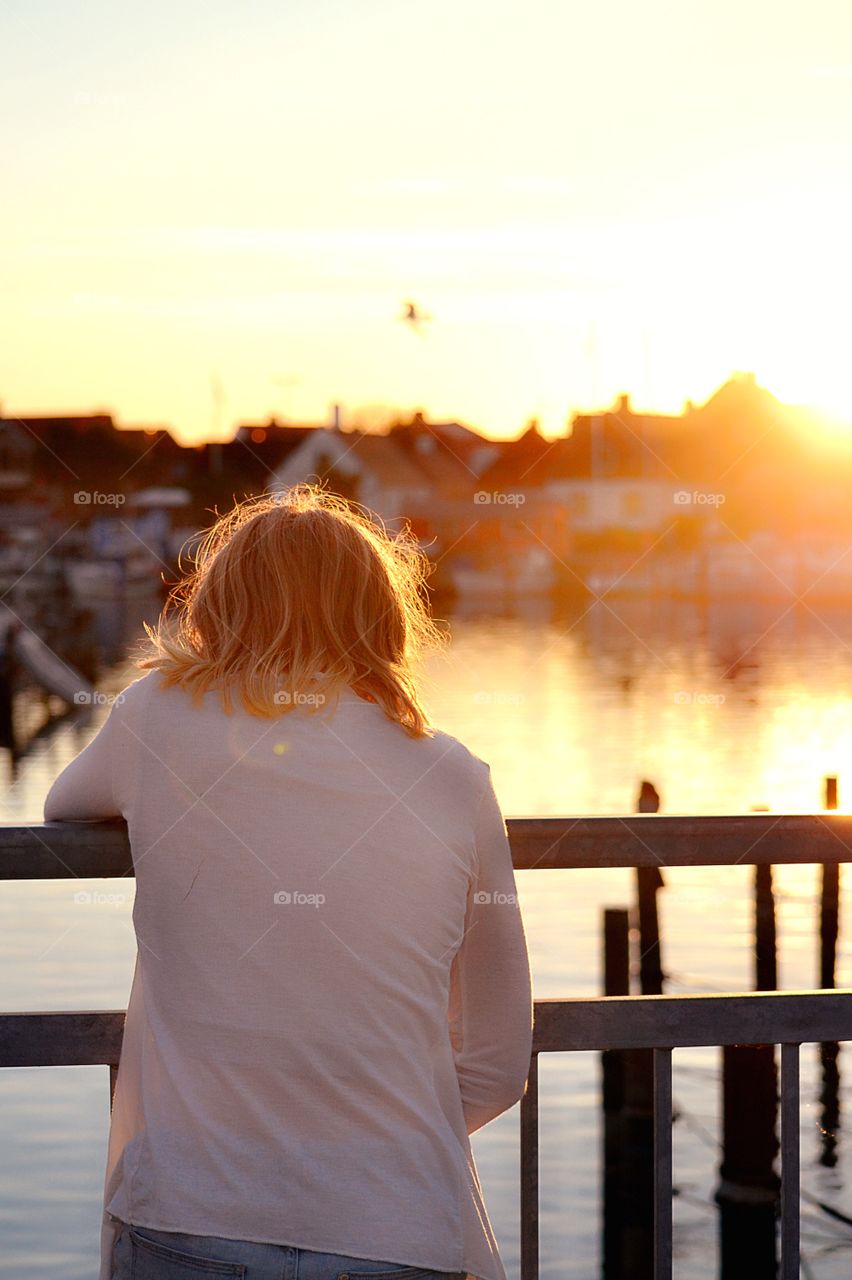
{"type": "Point", "coordinates": [212, 222]}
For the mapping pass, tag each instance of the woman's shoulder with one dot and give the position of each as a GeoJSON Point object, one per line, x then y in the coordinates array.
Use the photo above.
{"type": "Point", "coordinates": [137, 691]}
{"type": "Point", "coordinates": [452, 750]}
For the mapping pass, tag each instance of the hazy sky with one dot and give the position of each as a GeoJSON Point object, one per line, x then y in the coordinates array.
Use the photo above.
{"type": "Point", "coordinates": [210, 204]}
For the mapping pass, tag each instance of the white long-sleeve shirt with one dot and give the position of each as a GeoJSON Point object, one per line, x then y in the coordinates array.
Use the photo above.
{"type": "Point", "coordinates": [331, 989]}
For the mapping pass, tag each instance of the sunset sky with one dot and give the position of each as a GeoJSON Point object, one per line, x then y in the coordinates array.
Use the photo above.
{"type": "Point", "coordinates": [212, 212]}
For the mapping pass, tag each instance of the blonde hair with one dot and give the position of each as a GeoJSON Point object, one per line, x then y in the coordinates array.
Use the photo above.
{"type": "Point", "coordinates": [292, 598]}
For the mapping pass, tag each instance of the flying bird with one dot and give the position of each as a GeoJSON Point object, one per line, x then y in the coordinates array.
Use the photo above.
{"type": "Point", "coordinates": [413, 316]}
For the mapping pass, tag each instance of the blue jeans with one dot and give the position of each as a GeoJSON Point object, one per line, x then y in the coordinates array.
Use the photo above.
{"type": "Point", "coordinates": [141, 1253]}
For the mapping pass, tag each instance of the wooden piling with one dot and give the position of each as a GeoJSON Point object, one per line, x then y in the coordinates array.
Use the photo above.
{"type": "Point", "coordinates": [7, 690]}
{"type": "Point", "coordinates": [829, 904]}
{"type": "Point", "coordinates": [616, 951]}
{"type": "Point", "coordinates": [648, 881]}
{"type": "Point", "coordinates": [765, 932]}
{"type": "Point", "coordinates": [829, 929]}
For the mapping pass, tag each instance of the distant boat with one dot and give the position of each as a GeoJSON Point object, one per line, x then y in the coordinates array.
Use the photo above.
{"type": "Point", "coordinates": [529, 575]}
{"type": "Point", "coordinates": [470, 581]}
{"type": "Point", "coordinates": [111, 577]}
{"type": "Point", "coordinates": [27, 572]}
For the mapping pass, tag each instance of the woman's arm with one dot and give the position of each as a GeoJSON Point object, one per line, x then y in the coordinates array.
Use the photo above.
{"type": "Point", "coordinates": [491, 1009]}
{"type": "Point", "coordinates": [84, 789]}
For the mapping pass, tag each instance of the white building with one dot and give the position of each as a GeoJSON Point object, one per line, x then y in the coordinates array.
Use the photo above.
{"type": "Point", "coordinates": [387, 481]}
{"type": "Point", "coordinates": [623, 502]}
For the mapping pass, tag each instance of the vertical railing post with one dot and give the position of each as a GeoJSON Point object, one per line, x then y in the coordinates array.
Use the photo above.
{"type": "Point", "coordinates": [662, 1164]}
{"type": "Point", "coordinates": [790, 1159]}
{"type": "Point", "coordinates": [748, 1189]}
{"type": "Point", "coordinates": [613, 1069]}
{"type": "Point", "coordinates": [639, 1075]}
{"type": "Point", "coordinates": [529, 1176]}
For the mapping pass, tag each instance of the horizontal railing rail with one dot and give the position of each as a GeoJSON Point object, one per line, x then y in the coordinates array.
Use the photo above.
{"type": "Point", "coordinates": [660, 1023]}
{"type": "Point", "coordinates": [51, 850]}
{"type": "Point", "coordinates": [580, 1024]}
{"type": "Point", "coordinates": [657, 1023]}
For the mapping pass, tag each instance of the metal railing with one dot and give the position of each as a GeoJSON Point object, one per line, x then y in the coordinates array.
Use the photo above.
{"type": "Point", "coordinates": [660, 1023]}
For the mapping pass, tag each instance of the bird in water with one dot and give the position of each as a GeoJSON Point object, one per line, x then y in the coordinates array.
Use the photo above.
{"type": "Point", "coordinates": [737, 664]}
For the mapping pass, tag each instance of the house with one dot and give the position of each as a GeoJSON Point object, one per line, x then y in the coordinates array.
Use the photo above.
{"type": "Point", "coordinates": [220, 473]}
{"type": "Point", "coordinates": [81, 450]}
{"type": "Point", "coordinates": [89, 452]}
{"type": "Point", "coordinates": [17, 450]}
{"type": "Point", "coordinates": [525, 464]}
{"type": "Point", "coordinates": [22, 500]}
{"type": "Point", "coordinates": [621, 503]}
{"type": "Point", "coordinates": [158, 458]}
{"type": "Point", "coordinates": [514, 512]}
{"type": "Point", "coordinates": [621, 443]}
{"type": "Point", "coordinates": [255, 451]}
{"type": "Point", "coordinates": [470, 452]}
{"type": "Point", "coordinates": [632, 477]}
{"type": "Point", "coordinates": [369, 468]}
{"type": "Point", "coordinates": [607, 480]}
{"type": "Point", "coordinates": [450, 456]}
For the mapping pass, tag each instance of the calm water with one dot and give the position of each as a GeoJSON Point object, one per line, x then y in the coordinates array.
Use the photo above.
{"type": "Point", "coordinates": [722, 708]}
